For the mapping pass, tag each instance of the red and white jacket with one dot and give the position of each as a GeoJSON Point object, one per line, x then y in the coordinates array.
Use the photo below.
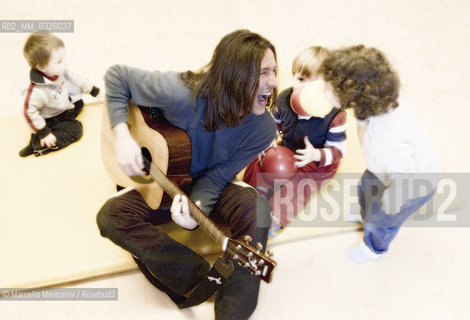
{"type": "Point", "coordinates": [48, 97]}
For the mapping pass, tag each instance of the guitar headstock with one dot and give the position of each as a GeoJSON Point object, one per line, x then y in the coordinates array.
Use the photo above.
{"type": "Point", "coordinates": [252, 259]}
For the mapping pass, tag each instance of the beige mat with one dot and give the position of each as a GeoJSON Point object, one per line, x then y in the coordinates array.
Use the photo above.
{"type": "Point", "coordinates": [49, 205]}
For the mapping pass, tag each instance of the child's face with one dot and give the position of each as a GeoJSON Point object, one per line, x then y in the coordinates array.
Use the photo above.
{"type": "Point", "coordinates": [56, 65]}
{"type": "Point", "coordinates": [301, 80]}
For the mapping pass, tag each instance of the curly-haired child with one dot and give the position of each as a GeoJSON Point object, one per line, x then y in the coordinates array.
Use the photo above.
{"type": "Point", "coordinates": [398, 153]}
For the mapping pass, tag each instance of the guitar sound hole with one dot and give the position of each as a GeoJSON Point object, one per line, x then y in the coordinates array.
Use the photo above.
{"type": "Point", "coordinates": [147, 160]}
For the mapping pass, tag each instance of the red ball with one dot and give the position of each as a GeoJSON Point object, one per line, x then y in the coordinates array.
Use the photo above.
{"type": "Point", "coordinates": [296, 104]}
{"type": "Point", "coordinates": [278, 163]}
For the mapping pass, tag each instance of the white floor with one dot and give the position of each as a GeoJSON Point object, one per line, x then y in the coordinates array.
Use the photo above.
{"type": "Point", "coordinates": [425, 274]}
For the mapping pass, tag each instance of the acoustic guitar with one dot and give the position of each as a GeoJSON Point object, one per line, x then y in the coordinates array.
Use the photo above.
{"type": "Point", "coordinates": [166, 151]}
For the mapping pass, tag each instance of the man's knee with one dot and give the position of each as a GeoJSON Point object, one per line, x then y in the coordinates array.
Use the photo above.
{"type": "Point", "coordinates": [104, 218]}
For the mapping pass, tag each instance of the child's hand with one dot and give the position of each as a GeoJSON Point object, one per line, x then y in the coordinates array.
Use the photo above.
{"type": "Point", "coordinates": [389, 202]}
{"type": "Point", "coordinates": [272, 145]}
{"type": "Point", "coordinates": [48, 141]}
{"type": "Point", "coordinates": [307, 155]}
{"type": "Point", "coordinates": [394, 196]}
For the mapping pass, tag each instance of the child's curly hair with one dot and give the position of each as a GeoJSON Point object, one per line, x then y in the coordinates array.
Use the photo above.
{"type": "Point", "coordinates": [363, 80]}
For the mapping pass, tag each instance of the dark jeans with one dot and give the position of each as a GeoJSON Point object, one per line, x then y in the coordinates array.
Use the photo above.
{"type": "Point", "coordinates": [130, 223]}
{"type": "Point", "coordinates": [64, 127]}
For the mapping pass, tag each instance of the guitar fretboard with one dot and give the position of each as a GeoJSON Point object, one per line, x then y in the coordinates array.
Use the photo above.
{"type": "Point", "coordinates": [172, 190]}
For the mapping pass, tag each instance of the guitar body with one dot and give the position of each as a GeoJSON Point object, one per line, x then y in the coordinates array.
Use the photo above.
{"type": "Point", "coordinates": [166, 146]}
{"type": "Point", "coordinates": [167, 152]}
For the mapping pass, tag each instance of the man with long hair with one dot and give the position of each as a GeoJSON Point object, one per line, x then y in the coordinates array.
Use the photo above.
{"type": "Point", "coordinates": [222, 107]}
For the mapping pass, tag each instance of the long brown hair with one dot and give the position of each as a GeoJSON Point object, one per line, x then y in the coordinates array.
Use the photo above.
{"type": "Point", "coordinates": [230, 80]}
{"type": "Point", "coordinates": [363, 79]}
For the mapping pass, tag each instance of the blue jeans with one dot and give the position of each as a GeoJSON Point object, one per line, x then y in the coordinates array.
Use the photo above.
{"type": "Point", "coordinates": [381, 228]}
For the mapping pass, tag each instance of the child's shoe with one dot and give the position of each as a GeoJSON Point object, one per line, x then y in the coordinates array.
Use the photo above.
{"type": "Point", "coordinates": [26, 151]}
{"type": "Point", "coordinates": [361, 254]}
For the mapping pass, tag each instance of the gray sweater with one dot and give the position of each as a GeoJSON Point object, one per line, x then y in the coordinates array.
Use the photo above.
{"type": "Point", "coordinates": [216, 156]}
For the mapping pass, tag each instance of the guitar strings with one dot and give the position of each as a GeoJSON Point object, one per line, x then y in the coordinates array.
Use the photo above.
{"type": "Point", "coordinates": [173, 190]}
{"type": "Point", "coordinates": [207, 224]}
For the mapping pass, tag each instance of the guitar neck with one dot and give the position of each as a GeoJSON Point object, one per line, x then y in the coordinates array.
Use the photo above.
{"type": "Point", "coordinates": [204, 222]}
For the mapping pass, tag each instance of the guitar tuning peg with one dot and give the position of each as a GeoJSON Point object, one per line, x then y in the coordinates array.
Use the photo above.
{"type": "Point", "coordinates": [247, 239]}
{"type": "Point", "coordinates": [269, 253]}
{"type": "Point", "coordinates": [259, 246]}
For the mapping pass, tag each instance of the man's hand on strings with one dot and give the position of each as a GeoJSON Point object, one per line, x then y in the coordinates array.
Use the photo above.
{"type": "Point", "coordinates": [180, 212]}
